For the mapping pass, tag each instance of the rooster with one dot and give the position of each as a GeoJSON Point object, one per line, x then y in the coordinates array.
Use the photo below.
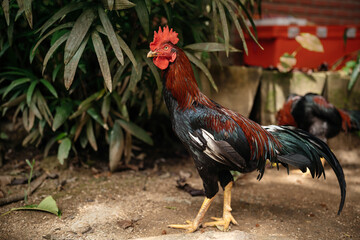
{"type": "Point", "coordinates": [314, 114]}
{"type": "Point", "coordinates": [220, 140]}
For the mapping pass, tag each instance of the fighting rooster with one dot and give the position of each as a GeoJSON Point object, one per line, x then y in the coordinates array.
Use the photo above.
{"type": "Point", "coordinates": [220, 140]}
{"type": "Point", "coordinates": [314, 114]}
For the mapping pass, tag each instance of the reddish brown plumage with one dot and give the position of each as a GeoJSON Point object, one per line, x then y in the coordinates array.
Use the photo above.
{"type": "Point", "coordinates": [188, 96]}
{"type": "Point", "coordinates": [284, 116]}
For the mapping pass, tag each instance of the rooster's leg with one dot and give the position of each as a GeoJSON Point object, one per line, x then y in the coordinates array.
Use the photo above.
{"type": "Point", "coordinates": [227, 216]}
{"type": "Point", "coordinates": [191, 226]}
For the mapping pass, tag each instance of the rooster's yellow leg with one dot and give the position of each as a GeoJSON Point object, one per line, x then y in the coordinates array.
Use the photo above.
{"type": "Point", "coordinates": [191, 226]}
{"type": "Point", "coordinates": [227, 216]}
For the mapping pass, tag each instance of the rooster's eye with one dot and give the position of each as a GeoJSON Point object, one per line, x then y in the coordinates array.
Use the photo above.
{"type": "Point", "coordinates": [166, 48]}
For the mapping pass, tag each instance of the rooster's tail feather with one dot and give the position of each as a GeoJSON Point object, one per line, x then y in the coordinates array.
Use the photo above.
{"type": "Point", "coordinates": [303, 150]}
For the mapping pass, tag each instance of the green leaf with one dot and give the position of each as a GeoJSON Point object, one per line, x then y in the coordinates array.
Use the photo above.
{"type": "Point", "coordinates": [154, 71]}
{"type": "Point", "coordinates": [354, 76]}
{"type": "Point", "coordinates": [46, 205]}
{"type": "Point", "coordinates": [105, 107]}
{"type": "Point", "coordinates": [236, 23]}
{"type": "Point", "coordinates": [252, 24]}
{"type": "Point", "coordinates": [5, 6]}
{"type": "Point", "coordinates": [63, 150]}
{"type": "Point", "coordinates": [116, 146]}
{"type": "Point", "coordinates": [61, 115]}
{"type": "Point", "coordinates": [30, 92]}
{"type": "Point", "coordinates": [102, 59]}
{"type": "Point", "coordinates": [123, 4]}
{"type": "Point", "coordinates": [62, 26]}
{"type": "Point", "coordinates": [210, 47]}
{"type": "Point", "coordinates": [53, 48]}
{"type": "Point", "coordinates": [203, 68]}
{"type": "Point", "coordinates": [28, 12]}
{"type": "Point", "coordinates": [127, 50]}
{"type": "Point", "coordinates": [43, 107]}
{"type": "Point", "coordinates": [61, 13]}
{"type": "Point", "coordinates": [14, 84]}
{"type": "Point", "coordinates": [90, 135]}
{"type": "Point", "coordinates": [136, 131]}
{"type": "Point", "coordinates": [96, 116]}
{"type": "Point", "coordinates": [224, 24]}
{"type": "Point", "coordinates": [14, 102]}
{"type": "Point", "coordinates": [78, 33]}
{"type": "Point", "coordinates": [56, 71]}
{"type": "Point", "coordinates": [49, 87]}
{"type": "Point", "coordinates": [70, 68]}
{"type": "Point", "coordinates": [111, 35]}
{"type": "Point", "coordinates": [143, 15]}
{"type": "Point", "coordinates": [48, 146]}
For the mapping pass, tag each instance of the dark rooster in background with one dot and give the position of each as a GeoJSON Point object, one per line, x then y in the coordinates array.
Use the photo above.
{"type": "Point", "coordinates": [314, 114]}
{"type": "Point", "coordinates": [220, 140]}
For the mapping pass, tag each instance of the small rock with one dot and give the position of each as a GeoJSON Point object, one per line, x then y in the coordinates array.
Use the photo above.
{"type": "Point", "coordinates": [47, 236]}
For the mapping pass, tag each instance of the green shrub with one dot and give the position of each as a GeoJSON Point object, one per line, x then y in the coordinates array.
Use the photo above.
{"type": "Point", "coordinates": [77, 74]}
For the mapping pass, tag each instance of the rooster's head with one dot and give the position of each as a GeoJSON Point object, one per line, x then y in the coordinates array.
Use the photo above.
{"type": "Point", "coordinates": [162, 47]}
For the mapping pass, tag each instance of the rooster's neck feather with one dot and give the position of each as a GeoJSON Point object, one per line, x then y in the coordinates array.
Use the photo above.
{"type": "Point", "coordinates": [180, 82]}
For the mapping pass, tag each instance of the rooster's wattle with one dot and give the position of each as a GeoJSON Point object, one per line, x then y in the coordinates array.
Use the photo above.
{"type": "Point", "coordinates": [220, 140]}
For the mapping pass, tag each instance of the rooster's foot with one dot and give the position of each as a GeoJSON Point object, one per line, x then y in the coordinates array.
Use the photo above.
{"type": "Point", "coordinates": [222, 223]}
{"type": "Point", "coordinates": [189, 227]}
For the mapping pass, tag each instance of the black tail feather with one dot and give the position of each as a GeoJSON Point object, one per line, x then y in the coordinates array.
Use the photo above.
{"type": "Point", "coordinates": [355, 120]}
{"type": "Point", "coordinates": [303, 150]}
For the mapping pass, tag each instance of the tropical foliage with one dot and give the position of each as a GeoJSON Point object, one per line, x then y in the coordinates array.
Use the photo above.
{"type": "Point", "coordinates": [76, 73]}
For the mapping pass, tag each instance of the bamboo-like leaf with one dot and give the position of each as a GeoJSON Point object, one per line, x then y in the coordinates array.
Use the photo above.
{"type": "Point", "coordinates": [41, 126]}
{"type": "Point", "coordinates": [120, 71]}
{"type": "Point", "coordinates": [30, 91]}
{"type": "Point", "coordinates": [136, 131]}
{"type": "Point", "coordinates": [25, 119]}
{"type": "Point", "coordinates": [14, 102]}
{"type": "Point", "coordinates": [110, 4]}
{"type": "Point", "coordinates": [127, 50]}
{"type": "Point", "coordinates": [90, 135]}
{"type": "Point", "coordinates": [70, 68]}
{"type": "Point", "coordinates": [149, 100]}
{"type": "Point", "coordinates": [354, 75]}
{"type": "Point", "coordinates": [61, 13]}
{"type": "Point", "coordinates": [96, 116]}
{"type": "Point", "coordinates": [154, 71]}
{"type": "Point", "coordinates": [252, 24]}
{"type": "Point", "coordinates": [5, 7]}
{"type": "Point", "coordinates": [43, 107]}
{"type": "Point", "coordinates": [123, 4]}
{"type": "Point", "coordinates": [225, 27]}
{"type": "Point", "coordinates": [237, 24]}
{"type": "Point", "coordinates": [79, 126]}
{"type": "Point", "coordinates": [48, 146]}
{"type": "Point", "coordinates": [10, 32]}
{"type": "Point", "coordinates": [203, 68]}
{"type": "Point", "coordinates": [61, 115]}
{"type": "Point", "coordinates": [63, 150]}
{"type": "Point", "coordinates": [56, 71]}
{"type": "Point", "coordinates": [111, 35]}
{"type": "Point", "coordinates": [53, 48]}
{"type": "Point", "coordinates": [210, 47]}
{"type": "Point", "coordinates": [143, 15]}
{"type": "Point", "coordinates": [31, 137]}
{"type": "Point", "coordinates": [128, 147]}
{"type": "Point", "coordinates": [78, 33]}
{"type": "Point", "coordinates": [34, 108]}
{"type": "Point", "coordinates": [105, 107]}
{"type": "Point", "coordinates": [102, 59]}
{"type": "Point", "coordinates": [14, 84]}
{"type": "Point", "coordinates": [28, 12]}
{"type": "Point", "coordinates": [49, 87]}
{"type": "Point", "coordinates": [116, 146]}
{"type": "Point", "coordinates": [95, 96]}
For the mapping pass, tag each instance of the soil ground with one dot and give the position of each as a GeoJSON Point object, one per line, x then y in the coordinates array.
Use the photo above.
{"type": "Point", "coordinates": [133, 204]}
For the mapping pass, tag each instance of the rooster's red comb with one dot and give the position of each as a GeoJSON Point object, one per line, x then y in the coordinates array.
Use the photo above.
{"type": "Point", "coordinates": [163, 36]}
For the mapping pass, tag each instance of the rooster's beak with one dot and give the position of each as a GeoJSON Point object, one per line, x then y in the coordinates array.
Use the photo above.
{"type": "Point", "coordinates": [152, 54]}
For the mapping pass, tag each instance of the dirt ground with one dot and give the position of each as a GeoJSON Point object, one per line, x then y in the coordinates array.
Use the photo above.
{"type": "Point", "coordinates": [132, 204]}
